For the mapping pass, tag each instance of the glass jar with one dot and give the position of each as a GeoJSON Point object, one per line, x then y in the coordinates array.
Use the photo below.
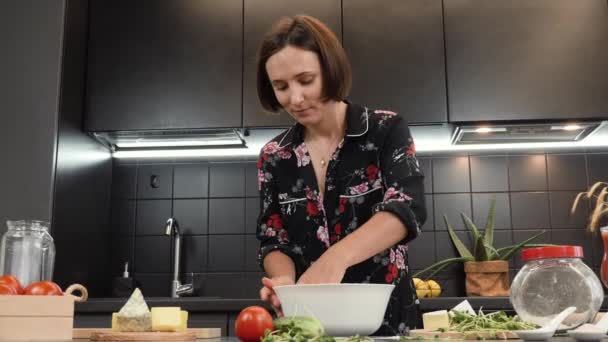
{"type": "Point", "coordinates": [554, 278]}
{"type": "Point", "coordinates": [27, 251]}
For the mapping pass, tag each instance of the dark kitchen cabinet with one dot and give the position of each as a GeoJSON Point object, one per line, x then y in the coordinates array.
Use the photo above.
{"type": "Point", "coordinates": [397, 53]}
{"type": "Point", "coordinates": [258, 18]}
{"type": "Point", "coordinates": [526, 59]}
{"type": "Point", "coordinates": [158, 64]}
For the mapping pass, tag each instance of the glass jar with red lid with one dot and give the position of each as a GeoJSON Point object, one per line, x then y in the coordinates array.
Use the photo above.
{"type": "Point", "coordinates": [552, 279]}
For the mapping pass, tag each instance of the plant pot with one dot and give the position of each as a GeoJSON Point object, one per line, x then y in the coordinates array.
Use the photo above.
{"type": "Point", "coordinates": [487, 278]}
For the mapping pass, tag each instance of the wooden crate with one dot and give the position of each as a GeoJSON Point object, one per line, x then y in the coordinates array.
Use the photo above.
{"type": "Point", "coordinates": [36, 318]}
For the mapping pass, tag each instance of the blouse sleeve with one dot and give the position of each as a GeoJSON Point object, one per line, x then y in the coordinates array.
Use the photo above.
{"type": "Point", "coordinates": [270, 230]}
{"type": "Point", "coordinates": [403, 180]}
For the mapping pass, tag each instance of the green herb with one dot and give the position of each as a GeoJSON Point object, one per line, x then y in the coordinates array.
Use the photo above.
{"type": "Point", "coordinates": [304, 329]}
{"type": "Point", "coordinates": [499, 320]}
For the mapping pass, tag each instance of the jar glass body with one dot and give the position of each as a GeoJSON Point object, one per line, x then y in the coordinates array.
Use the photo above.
{"type": "Point", "coordinates": [545, 287]}
{"type": "Point", "coordinates": [27, 251]}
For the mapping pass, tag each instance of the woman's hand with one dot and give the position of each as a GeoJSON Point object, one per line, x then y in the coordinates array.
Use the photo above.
{"type": "Point", "coordinates": [267, 293]}
{"type": "Point", "coordinates": [328, 269]}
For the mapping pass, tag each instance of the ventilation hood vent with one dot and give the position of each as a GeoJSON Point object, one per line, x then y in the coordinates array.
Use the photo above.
{"type": "Point", "coordinates": [182, 139]}
{"type": "Point", "coordinates": [522, 133]}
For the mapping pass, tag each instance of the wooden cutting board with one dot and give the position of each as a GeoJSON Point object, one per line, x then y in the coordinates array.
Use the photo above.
{"type": "Point", "coordinates": [100, 334]}
{"type": "Point", "coordinates": [470, 335]}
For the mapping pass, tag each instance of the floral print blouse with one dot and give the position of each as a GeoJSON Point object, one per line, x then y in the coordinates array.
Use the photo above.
{"type": "Point", "coordinates": [374, 168]}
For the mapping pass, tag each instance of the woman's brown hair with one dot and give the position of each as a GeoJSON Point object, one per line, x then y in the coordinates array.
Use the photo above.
{"type": "Point", "coordinates": [310, 34]}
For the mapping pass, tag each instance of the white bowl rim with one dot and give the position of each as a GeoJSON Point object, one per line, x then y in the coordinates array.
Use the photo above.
{"type": "Point", "coordinates": [336, 285]}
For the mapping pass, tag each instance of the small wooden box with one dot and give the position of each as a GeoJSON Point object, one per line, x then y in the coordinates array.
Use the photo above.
{"type": "Point", "coordinates": [36, 318]}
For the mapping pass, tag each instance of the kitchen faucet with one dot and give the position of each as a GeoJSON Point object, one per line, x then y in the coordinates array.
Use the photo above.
{"type": "Point", "coordinates": [177, 288]}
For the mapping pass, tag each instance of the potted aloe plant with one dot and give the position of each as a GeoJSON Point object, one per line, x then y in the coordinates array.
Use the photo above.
{"type": "Point", "coordinates": [486, 267]}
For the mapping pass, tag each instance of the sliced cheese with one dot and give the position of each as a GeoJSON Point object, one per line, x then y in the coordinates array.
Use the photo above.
{"type": "Point", "coordinates": [436, 320]}
{"type": "Point", "coordinates": [134, 315]}
{"type": "Point", "coordinates": [114, 323]}
{"type": "Point", "coordinates": [166, 319]}
{"type": "Point", "coordinates": [184, 326]}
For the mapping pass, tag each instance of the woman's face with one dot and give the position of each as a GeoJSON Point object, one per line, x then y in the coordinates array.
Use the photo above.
{"type": "Point", "coordinates": [295, 75]}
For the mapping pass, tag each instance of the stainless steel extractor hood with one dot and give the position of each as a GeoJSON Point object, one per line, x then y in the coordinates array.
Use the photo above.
{"type": "Point", "coordinates": [179, 139]}
{"type": "Point", "coordinates": [522, 133]}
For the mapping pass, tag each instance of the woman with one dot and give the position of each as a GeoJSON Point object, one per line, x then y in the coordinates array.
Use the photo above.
{"type": "Point", "coordinates": [341, 188]}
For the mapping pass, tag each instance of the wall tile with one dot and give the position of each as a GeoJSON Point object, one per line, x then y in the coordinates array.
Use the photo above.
{"type": "Point", "coordinates": [528, 173]}
{"type": "Point", "coordinates": [226, 253]}
{"type": "Point", "coordinates": [191, 216]}
{"type": "Point", "coordinates": [489, 173]}
{"type": "Point", "coordinates": [451, 205]}
{"type": "Point", "coordinates": [251, 180]}
{"type": "Point", "coordinates": [124, 181]}
{"type": "Point", "coordinates": [154, 181]}
{"type": "Point", "coordinates": [561, 203]}
{"type": "Point", "coordinates": [481, 209]}
{"type": "Point", "coordinates": [152, 216]}
{"type": "Point", "coordinates": [598, 247]}
{"type": "Point", "coordinates": [154, 284]}
{"type": "Point", "coordinates": [522, 235]}
{"type": "Point", "coordinates": [445, 249]}
{"type": "Point", "coordinates": [451, 175]}
{"type": "Point", "coordinates": [194, 254]}
{"type": "Point", "coordinates": [429, 225]}
{"type": "Point", "coordinates": [252, 246]}
{"type": "Point", "coordinates": [123, 217]}
{"type": "Point", "coordinates": [575, 237]}
{"type": "Point", "coordinates": [227, 180]}
{"type": "Point", "coordinates": [122, 251]}
{"type": "Point", "coordinates": [227, 216]}
{"type": "Point", "coordinates": [191, 181]}
{"type": "Point", "coordinates": [227, 285]}
{"type": "Point", "coordinates": [252, 284]}
{"type": "Point", "coordinates": [567, 171]}
{"type": "Point", "coordinates": [421, 251]}
{"type": "Point", "coordinates": [530, 210]}
{"type": "Point", "coordinates": [252, 211]}
{"type": "Point", "coordinates": [597, 164]}
{"type": "Point", "coordinates": [427, 170]}
{"type": "Point", "coordinates": [153, 254]}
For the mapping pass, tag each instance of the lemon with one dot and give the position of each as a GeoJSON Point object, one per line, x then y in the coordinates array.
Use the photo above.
{"type": "Point", "coordinates": [434, 288]}
{"type": "Point", "coordinates": [422, 288]}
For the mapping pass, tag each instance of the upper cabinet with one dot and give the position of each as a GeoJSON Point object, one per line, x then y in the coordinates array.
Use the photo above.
{"type": "Point", "coordinates": [526, 59]}
{"type": "Point", "coordinates": [157, 64]}
{"type": "Point", "coordinates": [397, 53]}
{"type": "Point", "coordinates": [259, 17]}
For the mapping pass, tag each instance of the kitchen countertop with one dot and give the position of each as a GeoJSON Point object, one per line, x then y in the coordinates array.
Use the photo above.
{"type": "Point", "coordinates": [219, 304]}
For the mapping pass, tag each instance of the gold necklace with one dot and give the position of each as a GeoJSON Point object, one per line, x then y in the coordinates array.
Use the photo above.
{"type": "Point", "coordinates": [328, 151]}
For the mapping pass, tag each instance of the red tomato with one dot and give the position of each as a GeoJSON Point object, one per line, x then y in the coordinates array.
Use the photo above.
{"type": "Point", "coordinates": [43, 288]}
{"type": "Point", "coordinates": [11, 281]}
{"type": "Point", "coordinates": [7, 290]}
{"type": "Point", "coordinates": [252, 322]}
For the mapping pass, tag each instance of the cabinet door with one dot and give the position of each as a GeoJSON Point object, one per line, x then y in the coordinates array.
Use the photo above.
{"type": "Point", "coordinates": [259, 17]}
{"type": "Point", "coordinates": [397, 53]}
{"type": "Point", "coordinates": [526, 59]}
{"type": "Point", "coordinates": [156, 64]}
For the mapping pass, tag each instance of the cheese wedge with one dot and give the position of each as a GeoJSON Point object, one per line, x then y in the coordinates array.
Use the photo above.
{"type": "Point", "coordinates": [436, 320]}
{"type": "Point", "coordinates": [166, 319]}
{"type": "Point", "coordinates": [134, 315]}
{"type": "Point", "coordinates": [114, 323]}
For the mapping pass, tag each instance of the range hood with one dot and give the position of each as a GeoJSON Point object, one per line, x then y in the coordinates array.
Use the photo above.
{"type": "Point", "coordinates": [240, 142]}
{"type": "Point", "coordinates": [171, 139]}
{"type": "Point", "coordinates": [522, 133]}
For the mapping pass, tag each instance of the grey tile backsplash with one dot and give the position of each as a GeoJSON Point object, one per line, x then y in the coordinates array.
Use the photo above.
{"type": "Point", "coordinates": [216, 205]}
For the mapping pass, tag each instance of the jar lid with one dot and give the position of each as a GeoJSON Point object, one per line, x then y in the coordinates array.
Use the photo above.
{"type": "Point", "coordinates": [552, 252]}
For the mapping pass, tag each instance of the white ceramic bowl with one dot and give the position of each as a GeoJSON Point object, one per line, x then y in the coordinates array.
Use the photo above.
{"type": "Point", "coordinates": [343, 309]}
